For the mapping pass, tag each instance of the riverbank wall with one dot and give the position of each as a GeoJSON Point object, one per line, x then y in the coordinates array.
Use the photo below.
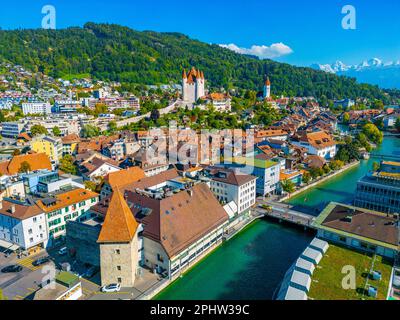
{"type": "Point", "coordinates": [321, 180]}
{"type": "Point", "coordinates": [160, 286]}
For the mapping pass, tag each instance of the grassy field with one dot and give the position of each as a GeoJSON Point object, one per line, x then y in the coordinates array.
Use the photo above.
{"type": "Point", "coordinates": [328, 276]}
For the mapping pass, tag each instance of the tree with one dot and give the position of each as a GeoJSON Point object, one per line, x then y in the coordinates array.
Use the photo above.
{"type": "Point", "coordinates": [288, 186]}
{"type": "Point", "coordinates": [1, 295]}
{"type": "Point", "coordinates": [306, 177]}
{"type": "Point", "coordinates": [155, 114]}
{"type": "Point", "coordinates": [89, 131]}
{"type": "Point", "coordinates": [376, 166]}
{"type": "Point", "coordinates": [112, 126]}
{"type": "Point", "coordinates": [378, 104]}
{"type": "Point", "coordinates": [346, 117]}
{"type": "Point", "coordinates": [336, 165]}
{"type": "Point", "coordinates": [326, 168]}
{"type": "Point", "coordinates": [373, 133]}
{"type": "Point", "coordinates": [56, 131]}
{"type": "Point", "coordinates": [38, 129]}
{"type": "Point", "coordinates": [90, 185]}
{"type": "Point", "coordinates": [397, 124]}
{"type": "Point", "coordinates": [25, 167]}
{"type": "Point", "coordinates": [67, 164]}
{"type": "Point", "coordinates": [16, 152]}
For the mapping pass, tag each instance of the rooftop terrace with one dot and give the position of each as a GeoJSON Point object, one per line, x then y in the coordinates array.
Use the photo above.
{"type": "Point", "coordinates": [327, 278]}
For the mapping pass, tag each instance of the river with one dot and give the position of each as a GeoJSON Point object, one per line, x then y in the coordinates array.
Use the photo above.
{"type": "Point", "coordinates": [252, 264]}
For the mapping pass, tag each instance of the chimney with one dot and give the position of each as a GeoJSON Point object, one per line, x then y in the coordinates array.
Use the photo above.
{"type": "Point", "coordinates": [12, 209]}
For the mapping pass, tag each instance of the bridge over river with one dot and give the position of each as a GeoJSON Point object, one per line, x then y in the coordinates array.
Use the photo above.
{"type": "Point", "coordinates": [285, 212]}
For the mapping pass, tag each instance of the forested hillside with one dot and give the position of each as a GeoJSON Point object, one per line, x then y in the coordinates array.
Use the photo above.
{"type": "Point", "coordinates": [112, 52]}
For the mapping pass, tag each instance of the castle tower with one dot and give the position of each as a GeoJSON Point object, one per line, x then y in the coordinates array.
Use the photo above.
{"type": "Point", "coordinates": [118, 242]}
{"type": "Point", "coordinates": [193, 84]}
{"type": "Point", "coordinates": [184, 85]}
{"type": "Point", "coordinates": [267, 89]}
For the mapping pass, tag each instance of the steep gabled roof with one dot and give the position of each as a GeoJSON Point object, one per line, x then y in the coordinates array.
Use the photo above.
{"type": "Point", "coordinates": [119, 224]}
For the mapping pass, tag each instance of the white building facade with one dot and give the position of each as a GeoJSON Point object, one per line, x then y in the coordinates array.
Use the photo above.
{"type": "Point", "coordinates": [36, 108]}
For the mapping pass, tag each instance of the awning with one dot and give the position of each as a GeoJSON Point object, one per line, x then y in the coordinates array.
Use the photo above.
{"type": "Point", "coordinates": [8, 245]}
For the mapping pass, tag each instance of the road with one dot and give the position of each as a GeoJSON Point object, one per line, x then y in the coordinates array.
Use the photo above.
{"type": "Point", "coordinates": [17, 286]}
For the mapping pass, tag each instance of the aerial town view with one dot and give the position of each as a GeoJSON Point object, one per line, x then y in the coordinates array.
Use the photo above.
{"type": "Point", "coordinates": [167, 152]}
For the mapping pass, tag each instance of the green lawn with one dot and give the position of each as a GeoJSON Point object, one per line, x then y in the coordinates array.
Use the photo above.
{"type": "Point", "coordinates": [328, 276]}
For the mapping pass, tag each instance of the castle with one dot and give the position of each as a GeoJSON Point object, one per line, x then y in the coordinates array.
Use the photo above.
{"type": "Point", "coordinates": [193, 85]}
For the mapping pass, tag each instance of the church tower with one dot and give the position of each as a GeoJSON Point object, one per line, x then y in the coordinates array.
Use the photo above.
{"type": "Point", "coordinates": [267, 89]}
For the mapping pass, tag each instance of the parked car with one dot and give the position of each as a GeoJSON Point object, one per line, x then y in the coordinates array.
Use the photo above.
{"type": "Point", "coordinates": [40, 261]}
{"type": "Point", "coordinates": [115, 287]}
{"type": "Point", "coordinates": [91, 271]}
{"type": "Point", "coordinates": [11, 269]}
{"type": "Point", "coordinates": [63, 251]}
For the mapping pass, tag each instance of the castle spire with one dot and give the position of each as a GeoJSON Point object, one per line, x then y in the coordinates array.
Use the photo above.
{"type": "Point", "coordinates": [184, 74]}
{"type": "Point", "coordinates": [267, 82]}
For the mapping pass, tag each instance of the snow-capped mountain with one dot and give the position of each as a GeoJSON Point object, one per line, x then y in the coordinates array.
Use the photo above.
{"type": "Point", "coordinates": [374, 71]}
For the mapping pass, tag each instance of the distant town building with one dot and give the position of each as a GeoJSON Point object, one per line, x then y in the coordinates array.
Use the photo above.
{"type": "Point", "coordinates": [345, 103]}
{"type": "Point", "coordinates": [317, 143]}
{"type": "Point", "coordinates": [67, 106]}
{"type": "Point", "coordinates": [220, 101]}
{"type": "Point", "coordinates": [11, 129]}
{"type": "Point", "coordinates": [50, 146]}
{"type": "Point", "coordinates": [36, 108]}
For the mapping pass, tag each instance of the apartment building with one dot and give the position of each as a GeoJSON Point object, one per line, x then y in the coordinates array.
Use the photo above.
{"type": "Point", "coordinates": [12, 129]}
{"type": "Point", "coordinates": [22, 225]}
{"type": "Point", "coordinates": [380, 190]}
{"type": "Point", "coordinates": [266, 171]}
{"type": "Point", "coordinates": [228, 185]}
{"type": "Point", "coordinates": [63, 206]}
{"type": "Point", "coordinates": [317, 143]}
{"type": "Point", "coordinates": [50, 146]}
{"type": "Point", "coordinates": [36, 108]}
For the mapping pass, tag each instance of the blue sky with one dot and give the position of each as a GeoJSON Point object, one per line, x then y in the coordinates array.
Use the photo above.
{"type": "Point", "coordinates": [310, 28]}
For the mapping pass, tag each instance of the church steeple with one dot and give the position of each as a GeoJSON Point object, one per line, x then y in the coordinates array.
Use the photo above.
{"type": "Point", "coordinates": [267, 89]}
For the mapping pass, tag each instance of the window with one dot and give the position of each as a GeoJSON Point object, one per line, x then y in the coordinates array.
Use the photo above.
{"type": "Point", "coordinates": [119, 268]}
{"type": "Point", "coordinates": [160, 258]}
{"type": "Point", "coordinates": [117, 251]}
{"type": "Point", "coordinates": [119, 280]}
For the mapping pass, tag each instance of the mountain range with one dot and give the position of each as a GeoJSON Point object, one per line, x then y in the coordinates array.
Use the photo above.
{"type": "Point", "coordinates": [118, 53]}
{"type": "Point", "coordinates": [373, 71]}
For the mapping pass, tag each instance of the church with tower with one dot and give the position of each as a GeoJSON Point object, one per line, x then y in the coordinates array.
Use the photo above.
{"type": "Point", "coordinates": [267, 89]}
{"type": "Point", "coordinates": [193, 85]}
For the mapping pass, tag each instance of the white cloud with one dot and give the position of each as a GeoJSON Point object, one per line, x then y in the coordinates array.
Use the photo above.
{"type": "Point", "coordinates": [275, 50]}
